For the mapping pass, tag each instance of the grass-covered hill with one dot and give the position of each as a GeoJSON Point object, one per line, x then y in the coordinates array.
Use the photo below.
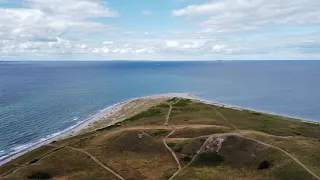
{"type": "Point", "coordinates": [181, 139]}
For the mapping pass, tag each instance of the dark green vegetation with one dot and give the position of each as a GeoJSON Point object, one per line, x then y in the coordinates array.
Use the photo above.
{"type": "Point", "coordinates": [153, 116]}
{"type": "Point", "coordinates": [210, 142]}
{"type": "Point", "coordinates": [39, 175]}
{"type": "Point", "coordinates": [209, 159]}
{"type": "Point", "coordinates": [172, 144]}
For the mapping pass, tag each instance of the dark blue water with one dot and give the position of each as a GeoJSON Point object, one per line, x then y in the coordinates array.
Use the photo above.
{"type": "Point", "coordinates": [38, 99]}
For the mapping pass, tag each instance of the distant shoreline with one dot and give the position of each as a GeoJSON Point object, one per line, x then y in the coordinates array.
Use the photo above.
{"type": "Point", "coordinates": [255, 110]}
{"type": "Point", "coordinates": [87, 123]}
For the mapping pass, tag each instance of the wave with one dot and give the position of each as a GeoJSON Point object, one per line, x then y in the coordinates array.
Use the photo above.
{"type": "Point", "coordinates": [22, 148]}
{"type": "Point", "coordinates": [75, 119]}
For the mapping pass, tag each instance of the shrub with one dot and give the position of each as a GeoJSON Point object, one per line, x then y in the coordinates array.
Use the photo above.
{"type": "Point", "coordinates": [33, 161]}
{"type": "Point", "coordinates": [263, 165]}
{"type": "Point", "coordinates": [209, 159]}
{"type": "Point", "coordinates": [39, 175]}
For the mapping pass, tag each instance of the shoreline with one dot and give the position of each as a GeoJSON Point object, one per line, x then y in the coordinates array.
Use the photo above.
{"type": "Point", "coordinates": [85, 124]}
{"type": "Point", "coordinates": [113, 109]}
{"type": "Point", "coordinates": [240, 108]}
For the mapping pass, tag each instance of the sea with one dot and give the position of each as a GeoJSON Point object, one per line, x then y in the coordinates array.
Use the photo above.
{"type": "Point", "coordinates": [39, 100]}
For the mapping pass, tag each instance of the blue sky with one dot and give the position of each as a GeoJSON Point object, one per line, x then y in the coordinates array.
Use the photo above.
{"type": "Point", "coordinates": [159, 30]}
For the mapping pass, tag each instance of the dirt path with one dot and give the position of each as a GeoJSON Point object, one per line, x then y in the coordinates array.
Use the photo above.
{"type": "Point", "coordinates": [165, 143]}
{"type": "Point", "coordinates": [288, 154]}
{"type": "Point", "coordinates": [25, 164]}
{"type": "Point", "coordinates": [269, 145]}
{"type": "Point", "coordinates": [232, 125]}
{"type": "Point", "coordinates": [97, 161]}
{"type": "Point", "coordinates": [207, 140]}
{"type": "Point", "coordinates": [93, 158]}
{"type": "Point", "coordinates": [169, 112]}
{"type": "Point", "coordinates": [173, 154]}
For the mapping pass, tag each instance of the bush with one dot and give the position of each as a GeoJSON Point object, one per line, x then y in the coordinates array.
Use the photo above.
{"type": "Point", "coordinates": [209, 159]}
{"type": "Point", "coordinates": [39, 175]}
{"type": "Point", "coordinates": [263, 165]}
{"type": "Point", "coordinates": [160, 131]}
{"type": "Point", "coordinates": [33, 161]}
{"type": "Point", "coordinates": [171, 144]}
{"type": "Point", "coordinates": [183, 103]}
{"type": "Point", "coordinates": [186, 158]}
{"type": "Point", "coordinates": [145, 114]}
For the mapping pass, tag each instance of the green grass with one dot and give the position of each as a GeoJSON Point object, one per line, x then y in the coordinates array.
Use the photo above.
{"type": "Point", "coordinates": [63, 164]}
{"type": "Point", "coordinates": [153, 116]}
{"type": "Point", "coordinates": [145, 114]}
{"type": "Point", "coordinates": [26, 158]}
{"type": "Point", "coordinates": [173, 100]}
{"type": "Point", "coordinates": [183, 103]}
{"type": "Point", "coordinates": [160, 132]}
{"type": "Point", "coordinates": [305, 149]}
{"type": "Point", "coordinates": [168, 173]}
{"type": "Point", "coordinates": [134, 156]}
{"type": "Point", "coordinates": [163, 105]}
{"type": "Point", "coordinates": [271, 124]}
{"type": "Point", "coordinates": [196, 113]}
{"type": "Point", "coordinates": [187, 149]}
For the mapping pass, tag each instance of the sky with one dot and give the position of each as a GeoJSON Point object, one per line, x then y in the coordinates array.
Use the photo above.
{"type": "Point", "coordinates": [159, 30]}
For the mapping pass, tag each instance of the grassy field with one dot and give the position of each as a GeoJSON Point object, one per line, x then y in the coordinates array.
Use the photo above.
{"type": "Point", "coordinates": [200, 141]}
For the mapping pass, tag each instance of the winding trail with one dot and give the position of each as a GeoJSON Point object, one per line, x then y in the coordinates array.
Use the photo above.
{"type": "Point", "coordinates": [165, 144]}
{"type": "Point", "coordinates": [265, 144]}
{"type": "Point", "coordinates": [288, 154]}
{"type": "Point", "coordinates": [94, 159]}
{"type": "Point", "coordinates": [232, 125]}
{"type": "Point", "coordinates": [173, 154]}
{"type": "Point", "coordinates": [169, 112]}
{"type": "Point", "coordinates": [27, 163]}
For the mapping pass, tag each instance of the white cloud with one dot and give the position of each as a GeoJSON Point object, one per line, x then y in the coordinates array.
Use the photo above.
{"type": "Point", "coordinates": [108, 43]}
{"type": "Point", "coordinates": [83, 46]}
{"type": "Point", "coordinates": [172, 44]}
{"type": "Point", "coordinates": [218, 48]}
{"type": "Point", "coordinates": [191, 46]}
{"type": "Point", "coordinates": [230, 15]}
{"type": "Point", "coordinates": [73, 9]}
{"type": "Point", "coordinates": [219, 30]}
{"type": "Point", "coordinates": [36, 25]}
{"type": "Point", "coordinates": [51, 18]}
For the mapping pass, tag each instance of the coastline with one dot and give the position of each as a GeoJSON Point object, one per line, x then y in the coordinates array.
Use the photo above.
{"type": "Point", "coordinates": [114, 109]}
{"type": "Point", "coordinates": [240, 108]}
{"type": "Point", "coordinates": [87, 123]}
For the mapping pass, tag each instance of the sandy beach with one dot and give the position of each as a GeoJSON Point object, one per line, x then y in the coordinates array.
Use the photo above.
{"type": "Point", "coordinates": [121, 111]}
{"type": "Point", "coordinates": [112, 114]}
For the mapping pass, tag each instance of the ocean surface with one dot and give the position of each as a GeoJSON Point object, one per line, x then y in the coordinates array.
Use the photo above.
{"type": "Point", "coordinates": [41, 99]}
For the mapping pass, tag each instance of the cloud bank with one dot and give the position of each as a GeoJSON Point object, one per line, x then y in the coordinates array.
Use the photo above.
{"type": "Point", "coordinates": [209, 30]}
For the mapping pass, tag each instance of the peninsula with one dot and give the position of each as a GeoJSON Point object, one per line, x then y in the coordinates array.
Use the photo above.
{"type": "Point", "coordinates": [175, 136]}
